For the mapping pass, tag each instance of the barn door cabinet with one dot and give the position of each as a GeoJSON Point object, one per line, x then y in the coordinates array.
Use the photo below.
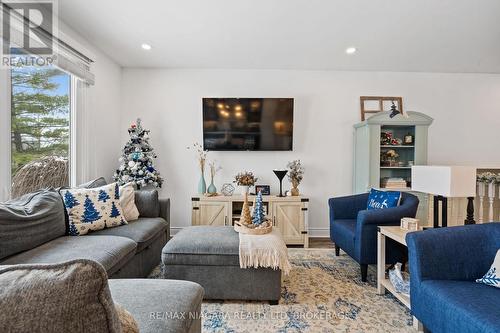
{"type": "Point", "coordinates": [289, 215]}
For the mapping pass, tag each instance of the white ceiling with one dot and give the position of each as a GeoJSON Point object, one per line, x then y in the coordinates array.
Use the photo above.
{"type": "Point", "coordinates": [390, 35]}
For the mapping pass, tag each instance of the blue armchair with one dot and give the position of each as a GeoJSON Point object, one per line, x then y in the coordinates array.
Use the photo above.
{"type": "Point", "coordinates": [444, 264]}
{"type": "Point", "coordinates": [354, 229]}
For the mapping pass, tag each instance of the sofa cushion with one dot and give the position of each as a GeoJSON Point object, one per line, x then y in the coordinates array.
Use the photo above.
{"type": "Point", "coordinates": [463, 306]}
{"type": "Point", "coordinates": [203, 245]}
{"type": "Point", "coordinates": [93, 209]}
{"type": "Point", "coordinates": [147, 203]}
{"type": "Point", "coordinates": [160, 305]}
{"type": "Point", "coordinates": [142, 231]}
{"type": "Point", "coordinates": [94, 183]}
{"type": "Point", "coordinates": [110, 251]}
{"type": "Point", "coordinates": [29, 221]}
{"type": "Point", "coordinates": [67, 297]}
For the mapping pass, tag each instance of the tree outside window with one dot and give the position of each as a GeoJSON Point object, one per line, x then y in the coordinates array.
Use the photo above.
{"type": "Point", "coordinates": [40, 118]}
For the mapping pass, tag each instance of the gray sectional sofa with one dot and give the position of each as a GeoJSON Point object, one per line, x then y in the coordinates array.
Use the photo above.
{"type": "Point", "coordinates": [128, 251]}
{"type": "Point", "coordinates": [33, 231]}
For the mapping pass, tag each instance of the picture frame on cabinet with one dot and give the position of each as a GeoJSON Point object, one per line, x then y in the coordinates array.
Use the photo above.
{"type": "Point", "coordinates": [265, 189]}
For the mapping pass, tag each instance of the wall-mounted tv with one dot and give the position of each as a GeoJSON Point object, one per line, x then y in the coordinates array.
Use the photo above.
{"type": "Point", "coordinates": [248, 123]}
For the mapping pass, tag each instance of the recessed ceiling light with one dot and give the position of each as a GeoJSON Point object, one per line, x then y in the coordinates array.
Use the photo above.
{"type": "Point", "coordinates": [146, 47]}
{"type": "Point", "coordinates": [350, 50]}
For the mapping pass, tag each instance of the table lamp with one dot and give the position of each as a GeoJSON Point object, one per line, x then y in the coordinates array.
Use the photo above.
{"type": "Point", "coordinates": [445, 182]}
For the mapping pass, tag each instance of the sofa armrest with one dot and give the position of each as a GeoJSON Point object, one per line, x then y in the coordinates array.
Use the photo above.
{"type": "Point", "coordinates": [147, 203]}
{"type": "Point", "coordinates": [165, 209]}
{"type": "Point", "coordinates": [347, 207]}
{"type": "Point", "coordinates": [165, 214]}
{"type": "Point", "coordinates": [455, 253]}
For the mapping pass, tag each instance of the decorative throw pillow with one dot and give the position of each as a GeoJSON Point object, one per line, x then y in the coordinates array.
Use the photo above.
{"type": "Point", "coordinates": [383, 199]}
{"type": "Point", "coordinates": [127, 201]}
{"type": "Point", "coordinates": [492, 277]}
{"type": "Point", "coordinates": [93, 208]}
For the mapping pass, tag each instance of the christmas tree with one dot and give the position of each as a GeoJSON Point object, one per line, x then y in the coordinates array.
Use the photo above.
{"type": "Point", "coordinates": [73, 231]}
{"type": "Point", "coordinates": [117, 192]}
{"type": "Point", "coordinates": [258, 212]}
{"type": "Point", "coordinates": [114, 210]}
{"type": "Point", "coordinates": [90, 214]}
{"type": "Point", "coordinates": [70, 200]}
{"type": "Point", "coordinates": [136, 162]}
{"type": "Point", "coordinates": [246, 218]}
{"type": "Point", "coordinates": [103, 196]}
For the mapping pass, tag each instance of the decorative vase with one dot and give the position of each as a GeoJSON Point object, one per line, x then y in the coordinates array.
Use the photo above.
{"type": "Point", "coordinates": [295, 188]}
{"type": "Point", "coordinates": [202, 185]}
{"type": "Point", "coordinates": [280, 174]}
{"type": "Point", "coordinates": [244, 189]}
{"type": "Point", "coordinates": [211, 188]}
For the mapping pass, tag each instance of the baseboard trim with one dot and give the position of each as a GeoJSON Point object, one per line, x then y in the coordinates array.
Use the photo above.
{"type": "Point", "coordinates": [313, 232]}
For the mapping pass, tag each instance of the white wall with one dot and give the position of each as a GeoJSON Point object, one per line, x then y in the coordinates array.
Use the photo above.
{"type": "Point", "coordinates": [466, 130]}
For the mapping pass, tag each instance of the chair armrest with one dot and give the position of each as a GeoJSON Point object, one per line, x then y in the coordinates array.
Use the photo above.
{"type": "Point", "coordinates": [388, 216]}
{"type": "Point", "coordinates": [455, 253]}
{"type": "Point", "coordinates": [347, 207]}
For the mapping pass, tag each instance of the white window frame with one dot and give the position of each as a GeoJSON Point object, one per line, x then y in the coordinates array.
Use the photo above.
{"type": "Point", "coordinates": [5, 134]}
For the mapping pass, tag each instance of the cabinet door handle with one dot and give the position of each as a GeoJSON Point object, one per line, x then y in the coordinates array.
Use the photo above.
{"type": "Point", "coordinates": [274, 221]}
{"type": "Point", "coordinates": [225, 220]}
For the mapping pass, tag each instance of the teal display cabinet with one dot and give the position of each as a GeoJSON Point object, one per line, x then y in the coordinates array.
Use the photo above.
{"type": "Point", "coordinates": [385, 149]}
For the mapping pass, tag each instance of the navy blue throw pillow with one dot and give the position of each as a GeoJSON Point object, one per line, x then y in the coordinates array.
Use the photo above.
{"type": "Point", "coordinates": [383, 199]}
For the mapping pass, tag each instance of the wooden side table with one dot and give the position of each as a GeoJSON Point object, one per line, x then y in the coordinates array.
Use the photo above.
{"type": "Point", "coordinates": [383, 283]}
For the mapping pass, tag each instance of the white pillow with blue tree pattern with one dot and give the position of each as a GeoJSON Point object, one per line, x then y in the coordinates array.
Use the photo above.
{"type": "Point", "coordinates": [93, 208]}
{"type": "Point", "coordinates": [492, 277]}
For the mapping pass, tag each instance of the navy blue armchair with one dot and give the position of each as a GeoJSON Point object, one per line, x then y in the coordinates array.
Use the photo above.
{"type": "Point", "coordinates": [444, 264]}
{"type": "Point", "coordinates": [354, 229]}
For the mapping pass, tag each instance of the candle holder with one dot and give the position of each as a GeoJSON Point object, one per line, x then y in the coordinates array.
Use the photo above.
{"type": "Point", "coordinates": [280, 174]}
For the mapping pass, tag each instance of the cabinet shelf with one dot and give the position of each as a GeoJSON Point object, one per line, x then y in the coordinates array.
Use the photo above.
{"type": "Point", "coordinates": [394, 167]}
{"type": "Point", "coordinates": [398, 146]}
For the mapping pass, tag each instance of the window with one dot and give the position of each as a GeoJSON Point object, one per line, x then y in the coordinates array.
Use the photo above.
{"type": "Point", "coordinates": [40, 128]}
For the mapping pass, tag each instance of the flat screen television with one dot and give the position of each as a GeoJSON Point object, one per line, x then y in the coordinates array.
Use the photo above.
{"type": "Point", "coordinates": [248, 123]}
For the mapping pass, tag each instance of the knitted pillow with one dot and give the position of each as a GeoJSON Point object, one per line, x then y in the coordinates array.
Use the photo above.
{"type": "Point", "coordinates": [67, 297]}
{"type": "Point", "coordinates": [492, 277]}
{"type": "Point", "coordinates": [93, 208]}
{"type": "Point", "coordinates": [127, 321]}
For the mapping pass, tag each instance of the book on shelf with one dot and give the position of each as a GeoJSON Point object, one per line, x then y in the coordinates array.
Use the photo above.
{"type": "Point", "coordinates": [389, 182]}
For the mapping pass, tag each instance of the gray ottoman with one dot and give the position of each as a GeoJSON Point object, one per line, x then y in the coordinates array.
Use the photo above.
{"type": "Point", "coordinates": [210, 256]}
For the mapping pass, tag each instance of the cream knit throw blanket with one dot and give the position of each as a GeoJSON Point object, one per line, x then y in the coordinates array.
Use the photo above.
{"type": "Point", "coordinates": [267, 250]}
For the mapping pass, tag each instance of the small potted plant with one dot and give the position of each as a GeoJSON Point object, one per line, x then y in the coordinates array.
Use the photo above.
{"type": "Point", "coordinates": [295, 175]}
{"type": "Point", "coordinates": [245, 180]}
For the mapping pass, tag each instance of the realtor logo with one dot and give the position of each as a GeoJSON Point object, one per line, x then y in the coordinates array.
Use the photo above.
{"type": "Point", "coordinates": [27, 32]}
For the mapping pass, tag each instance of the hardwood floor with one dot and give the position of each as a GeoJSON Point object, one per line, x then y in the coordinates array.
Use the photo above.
{"type": "Point", "coordinates": [317, 243]}
{"type": "Point", "coordinates": [320, 242]}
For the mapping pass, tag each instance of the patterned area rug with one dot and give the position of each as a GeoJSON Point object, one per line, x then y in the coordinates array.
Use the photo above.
{"type": "Point", "coordinates": [323, 293]}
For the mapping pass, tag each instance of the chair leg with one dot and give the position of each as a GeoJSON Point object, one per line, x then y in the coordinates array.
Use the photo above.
{"type": "Point", "coordinates": [364, 272]}
{"type": "Point", "coordinates": [337, 250]}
